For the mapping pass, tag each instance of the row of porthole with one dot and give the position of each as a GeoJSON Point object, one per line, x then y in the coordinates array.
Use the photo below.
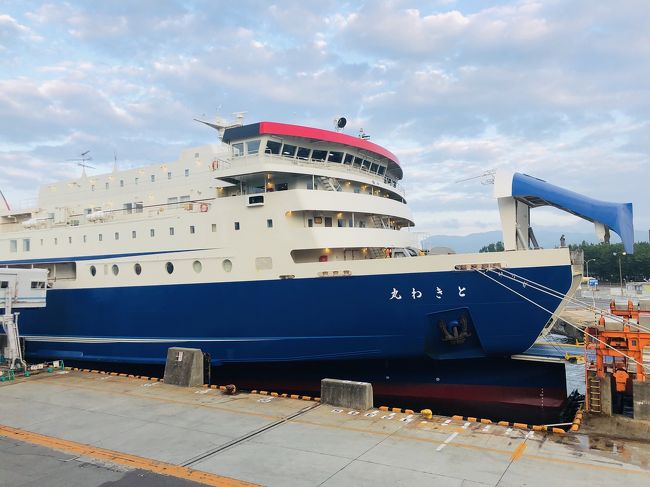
{"type": "Point", "coordinates": [169, 267]}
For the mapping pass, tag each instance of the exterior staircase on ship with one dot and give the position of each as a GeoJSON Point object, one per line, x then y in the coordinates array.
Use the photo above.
{"type": "Point", "coordinates": [331, 184]}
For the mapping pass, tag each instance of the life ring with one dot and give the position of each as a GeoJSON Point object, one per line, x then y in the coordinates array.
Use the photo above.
{"type": "Point", "coordinates": [204, 207]}
{"type": "Point", "coordinates": [214, 165]}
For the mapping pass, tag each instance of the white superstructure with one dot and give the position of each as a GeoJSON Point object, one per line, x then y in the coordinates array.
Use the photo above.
{"type": "Point", "coordinates": [263, 212]}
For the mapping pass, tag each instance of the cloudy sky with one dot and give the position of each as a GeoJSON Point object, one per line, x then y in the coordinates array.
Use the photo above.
{"type": "Point", "coordinates": [557, 89]}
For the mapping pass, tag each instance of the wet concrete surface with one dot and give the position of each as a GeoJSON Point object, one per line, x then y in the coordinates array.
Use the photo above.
{"type": "Point", "coordinates": [279, 441]}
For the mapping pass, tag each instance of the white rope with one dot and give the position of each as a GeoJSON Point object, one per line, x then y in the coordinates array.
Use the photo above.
{"type": "Point", "coordinates": [557, 316]}
{"type": "Point", "coordinates": [552, 292]}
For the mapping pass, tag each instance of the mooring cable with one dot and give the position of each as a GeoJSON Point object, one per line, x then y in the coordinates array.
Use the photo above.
{"type": "Point", "coordinates": [552, 313]}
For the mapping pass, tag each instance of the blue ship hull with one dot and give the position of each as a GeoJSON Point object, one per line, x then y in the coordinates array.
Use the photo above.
{"type": "Point", "coordinates": [333, 318]}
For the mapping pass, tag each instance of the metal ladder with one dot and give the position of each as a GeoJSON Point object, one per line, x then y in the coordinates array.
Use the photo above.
{"type": "Point", "coordinates": [377, 221]}
{"type": "Point", "coordinates": [594, 397]}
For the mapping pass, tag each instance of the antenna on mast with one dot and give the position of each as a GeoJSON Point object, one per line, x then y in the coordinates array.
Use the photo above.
{"type": "Point", "coordinates": [81, 161]}
{"type": "Point", "coordinates": [486, 178]}
{"type": "Point", "coordinates": [221, 125]}
{"type": "Point", "coordinates": [114, 160]}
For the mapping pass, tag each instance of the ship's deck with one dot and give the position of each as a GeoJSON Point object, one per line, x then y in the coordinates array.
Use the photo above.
{"type": "Point", "coordinates": [76, 428]}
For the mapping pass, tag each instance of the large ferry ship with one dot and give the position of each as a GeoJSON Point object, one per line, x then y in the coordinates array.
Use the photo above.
{"type": "Point", "coordinates": [281, 243]}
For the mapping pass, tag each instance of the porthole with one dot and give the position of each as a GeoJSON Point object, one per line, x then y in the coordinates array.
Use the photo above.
{"type": "Point", "coordinates": [227, 265]}
{"type": "Point", "coordinates": [137, 268]}
{"type": "Point", "coordinates": [170, 267]}
{"type": "Point", "coordinates": [115, 269]}
{"type": "Point", "coordinates": [93, 270]}
{"type": "Point", "coordinates": [197, 266]}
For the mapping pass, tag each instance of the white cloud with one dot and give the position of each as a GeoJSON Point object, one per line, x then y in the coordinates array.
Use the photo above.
{"type": "Point", "coordinates": [554, 89]}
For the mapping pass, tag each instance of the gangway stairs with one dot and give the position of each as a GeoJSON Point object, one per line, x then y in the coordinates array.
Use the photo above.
{"type": "Point", "coordinates": [331, 184]}
{"type": "Point", "coordinates": [19, 289]}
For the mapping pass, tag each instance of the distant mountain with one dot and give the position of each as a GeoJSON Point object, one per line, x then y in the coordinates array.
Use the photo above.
{"type": "Point", "coordinates": [547, 238]}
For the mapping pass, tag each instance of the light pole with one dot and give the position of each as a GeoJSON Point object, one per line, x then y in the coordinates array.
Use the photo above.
{"type": "Point", "coordinates": [620, 272]}
{"type": "Point", "coordinates": [587, 264]}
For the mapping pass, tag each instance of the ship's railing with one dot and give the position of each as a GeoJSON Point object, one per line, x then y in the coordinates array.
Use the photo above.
{"type": "Point", "coordinates": [80, 219]}
{"type": "Point", "coordinates": [378, 179]}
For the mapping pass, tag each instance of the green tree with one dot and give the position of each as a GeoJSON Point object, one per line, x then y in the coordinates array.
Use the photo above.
{"type": "Point", "coordinates": [604, 264]}
{"type": "Point", "coordinates": [493, 247]}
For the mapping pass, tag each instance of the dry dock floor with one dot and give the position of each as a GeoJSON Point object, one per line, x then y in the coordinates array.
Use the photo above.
{"type": "Point", "coordinates": [76, 428]}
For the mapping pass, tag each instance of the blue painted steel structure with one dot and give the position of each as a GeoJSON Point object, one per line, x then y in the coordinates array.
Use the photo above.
{"type": "Point", "coordinates": [335, 318]}
{"type": "Point", "coordinates": [617, 216]}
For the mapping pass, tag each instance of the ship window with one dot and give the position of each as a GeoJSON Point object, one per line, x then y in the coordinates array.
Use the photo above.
{"type": "Point", "coordinates": [192, 229]}
{"type": "Point", "coordinates": [187, 172]}
{"type": "Point", "coordinates": [358, 162]}
{"type": "Point", "coordinates": [238, 149]}
{"type": "Point", "coordinates": [152, 232]}
{"type": "Point", "coordinates": [254, 200]}
{"type": "Point", "coordinates": [115, 270]}
{"type": "Point", "coordinates": [172, 202]}
{"type": "Point", "coordinates": [319, 155]}
{"type": "Point", "coordinates": [348, 159]}
{"type": "Point", "coordinates": [85, 238]}
{"type": "Point", "coordinates": [4, 284]}
{"type": "Point", "coordinates": [117, 235]}
{"type": "Point", "coordinates": [69, 240]}
{"type": "Point", "coordinates": [138, 207]}
{"type": "Point", "coordinates": [197, 266]}
{"type": "Point", "coordinates": [128, 208]}
{"type": "Point", "coordinates": [382, 170]}
{"type": "Point", "coordinates": [169, 175]}
{"type": "Point", "coordinates": [171, 230]}
{"type": "Point", "coordinates": [137, 180]}
{"type": "Point", "coordinates": [328, 221]}
{"type": "Point", "coordinates": [56, 240]}
{"type": "Point", "coordinates": [13, 245]}
{"type": "Point", "coordinates": [282, 186]}
{"type": "Point", "coordinates": [310, 222]}
{"type": "Point", "coordinates": [38, 285]}
{"type": "Point", "coordinates": [92, 187]}
{"type": "Point", "coordinates": [269, 223]}
{"type": "Point", "coordinates": [214, 227]}
{"type": "Point", "coordinates": [134, 234]}
{"type": "Point", "coordinates": [303, 153]}
{"type": "Point", "coordinates": [121, 183]}
{"type": "Point", "coordinates": [236, 225]}
{"type": "Point", "coordinates": [263, 263]}
{"type": "Point", "coordinates": [153, 178]}
{"type": "Point", "coordinates": [137, 268]}
{"type": "Point", "coordinates": [88, 211]}
{"type": "Point", "coordinates": [335, 157]}
{"type": "Point", "coordinates": [93, 270]}
{"type": "Point", "coordinates": [26, 245]}
{"type": "Point", "coordinates": [373, 167]}
{"type": "Point", "coordinates": [340, 223]}
{"type": "Point", "coordinates": [253, 146]}
{"type": "Point", "coordinates": [272, 147]}
{"type": "Point", "coordinates": [227, 265]}
{"type": "Point", "coordinates": [100, 238]}
{"type": "Point", "coordinates": [289, 150]}
{"type": "Point", "coordinates": [169, 267]}
{"type": "Point", "coordinates": [106, 185]}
